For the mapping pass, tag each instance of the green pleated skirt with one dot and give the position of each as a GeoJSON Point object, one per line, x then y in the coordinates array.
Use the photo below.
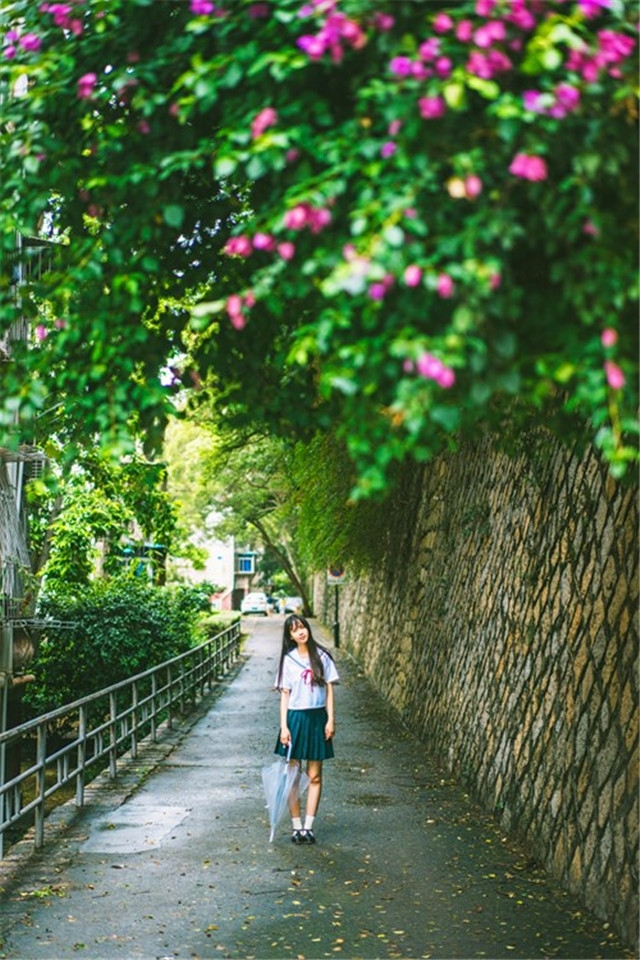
{"type": "Point", "coordinates": [307, 735]}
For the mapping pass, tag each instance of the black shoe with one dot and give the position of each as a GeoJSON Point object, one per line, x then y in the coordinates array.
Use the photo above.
{"type": "Point", "coordinates": [308, 836]}
{"type": "Point", "coordinates": [297, 837]}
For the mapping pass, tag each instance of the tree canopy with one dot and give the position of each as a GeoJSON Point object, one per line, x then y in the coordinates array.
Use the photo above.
{"type": "Point", "coordinates": [397, 220]}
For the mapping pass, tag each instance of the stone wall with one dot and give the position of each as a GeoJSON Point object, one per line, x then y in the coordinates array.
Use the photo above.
{"type": "Point", "coordinates": [501, 622]}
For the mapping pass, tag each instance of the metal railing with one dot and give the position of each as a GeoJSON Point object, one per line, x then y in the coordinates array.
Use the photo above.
{"type": "Point", "coordinates": [102, 727]}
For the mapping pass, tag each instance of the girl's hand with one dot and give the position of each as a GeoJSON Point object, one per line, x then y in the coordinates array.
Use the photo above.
{"type": "Point", "coordinates": [285, 737]}
{"type": "Point", "coordinates": [329, 730]}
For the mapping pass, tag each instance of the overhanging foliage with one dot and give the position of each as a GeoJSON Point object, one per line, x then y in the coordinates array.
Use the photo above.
{"type": "Point", "coordinates": [403, 221]}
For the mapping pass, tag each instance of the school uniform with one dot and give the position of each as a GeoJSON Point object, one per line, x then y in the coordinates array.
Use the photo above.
{"type": "Point", "coordinates": [307, 713]}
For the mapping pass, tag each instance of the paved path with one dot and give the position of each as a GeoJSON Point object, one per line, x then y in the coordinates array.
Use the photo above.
{"type": "Point", "coordinates": [180, 865]}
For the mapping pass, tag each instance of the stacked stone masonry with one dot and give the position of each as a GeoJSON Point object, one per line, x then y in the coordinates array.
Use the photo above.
{"type": "Point", "coordinates": [502, 623]}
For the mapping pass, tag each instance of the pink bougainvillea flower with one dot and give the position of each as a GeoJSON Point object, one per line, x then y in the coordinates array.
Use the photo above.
{"type": "Point", "coordinates": [472, 186]}
{"type": "Point", "coordinates": [609, 337]}
{"type": "Point", "coordinates": [234, 305]}
{"type": "Point", "coordinates": [9, 52]}
{"type": "Point", "coordinates": [431, 107]}
{"type": "Point", "coordinates": [495, 280]}
{"type": "Point", "coordinates": [394, 127]}
{"type": "Point", "coordinates": [238, 321]}
{"type": "Point", "coordinates": [520, 15]}
{"type": "Point", "coordinates": [533, 101]}
{"type": "Point", "coordinates": [464, 31]}
{"type": "Point", "coordinates": [593, 8]}
{"type": "Point", "coordinates": [41, 332]}
{"type": "Point", "coordinates": [401, 66]}
{"type": "Point", "coordinates": [319, 218]}
{"type": "Point", "coordinates": [297, 217]}
{"type": "Point", "coordinates": [86, 84]}
{"type": "Point", "coordinates": [442, 23]}
{"type": "Point", "coordinates": [479, 65]}
{"type": "Point", "coordinates": [430, 49]}
{"type": "Point", "coordinates": [314, 47]}
{"type": "Point", "coordinates": [238, 246]}
{"type": "Point", "coordinates": [292, 155]}
{"type": "Point", "coordinates": [615, 376]}
{"type": "Point", "coordinates": [263, 241]}
{"type": "Point", "coordinates": [429, 366]}
{"type": "Point", "coordinates": [30, 42]}
{"type": "Point", "coordinates": [286, 250]}
{"type": "Point", "coordinates": [388, 149]}
{"type": "Point", "coordinates": [443, 66]}
{"type": "Point", "coordinates": [614, 47]}
{"type": "Point", "coordinates": [377, 291]}
{"type": "Point", "coordinates": [529, 167]}
{"type": "Point", "coordinates": [202, 8]}
{"type": "Point", "coordinates": [249, 299]}
{"type": "Point", "coordinates": [59, 11]}
{"type": "Point", "coordinates": [567, 96]}
{"type": "Point", "coordinates": [412, 275]}
{"type": "Point", "coordinates": [383, 22]}
{"type": "Point", "coordinates": [484, 8]}
{"type": "Point", "coordinates": [262, 121]}
{"type": "Point", "coordinates": [590, 228]}
{"type": "Point", "coordinates": [446, 379]}
{"type": "Point", "coordinates": [445, 286]}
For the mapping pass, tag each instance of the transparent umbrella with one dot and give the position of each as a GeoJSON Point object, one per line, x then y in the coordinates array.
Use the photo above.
{"type": "Point", "coordinates": [282, 781]}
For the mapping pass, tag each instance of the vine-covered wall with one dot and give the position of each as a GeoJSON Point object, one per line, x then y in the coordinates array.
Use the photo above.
{"type": "Point", "coordinates": [501, 622]}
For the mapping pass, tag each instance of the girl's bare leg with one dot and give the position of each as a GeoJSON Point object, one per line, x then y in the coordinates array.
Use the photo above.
{"type": "Point", "coordinates": [314, 792]}
{"type": "Point", "coordinates": [294, 800]}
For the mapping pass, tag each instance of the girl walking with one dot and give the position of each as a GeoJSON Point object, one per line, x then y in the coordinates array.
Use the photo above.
{"type": "Point", "coordinates": [305, 679]}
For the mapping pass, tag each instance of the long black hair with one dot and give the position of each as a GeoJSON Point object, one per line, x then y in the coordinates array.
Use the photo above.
{"type": "Point", "coordinates": [314, 648]}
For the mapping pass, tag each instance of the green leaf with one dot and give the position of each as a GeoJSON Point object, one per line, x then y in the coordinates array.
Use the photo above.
{"type": "Point", "coordinates": [447, 417]}
{"type": "Point", "coordinates": [173, 215]}
{"type": "Point", "coordinates": [224, 167]}
{"type": "Point", "coordinates": [488, 89]}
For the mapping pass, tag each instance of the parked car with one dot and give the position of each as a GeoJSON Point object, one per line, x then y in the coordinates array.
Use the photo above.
{"type": "Point", "coordinates": [255, 603]}
{"type": "Point", "coordinates": [291, 605]}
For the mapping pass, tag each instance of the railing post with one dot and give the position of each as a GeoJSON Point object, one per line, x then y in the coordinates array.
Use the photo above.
{"type": "Point", "coordinates": [134, 720]}
{"type": "Point", "coordinates": [170, 697]}
{"type": "Point", "coordinates": [154, 691]}
{"type": "Point", "coordinates": [182, 688]}
{"type": "Point", "coordinates": [41, 784]}
{"type": "Point", "coordinates": [4, 799]}
{"type": "Point", "coordinates": [113, 735]}
{"type": "Point", "coordinates": [82, 754]}
{"type": "Point", "coordinates": [210, 666]}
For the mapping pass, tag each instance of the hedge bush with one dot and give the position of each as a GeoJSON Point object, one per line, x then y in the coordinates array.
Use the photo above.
{"type": "Point", "coordinates": [119, 627]}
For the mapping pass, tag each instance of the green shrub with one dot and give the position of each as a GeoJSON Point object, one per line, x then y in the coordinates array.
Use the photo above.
{"type": "Point", "coordinates": [218, 622]}
{"type": "Point", "coordinates": [119, 627]}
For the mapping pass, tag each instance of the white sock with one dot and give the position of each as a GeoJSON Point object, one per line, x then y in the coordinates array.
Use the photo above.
{"type": "Point", "coordinates": [296, 823]}
{"type": "Point", "coordinates": [308, 822]}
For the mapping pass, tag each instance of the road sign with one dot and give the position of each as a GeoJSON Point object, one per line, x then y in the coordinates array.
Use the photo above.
{"type": "Point", "coordinates": [336, 574]}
